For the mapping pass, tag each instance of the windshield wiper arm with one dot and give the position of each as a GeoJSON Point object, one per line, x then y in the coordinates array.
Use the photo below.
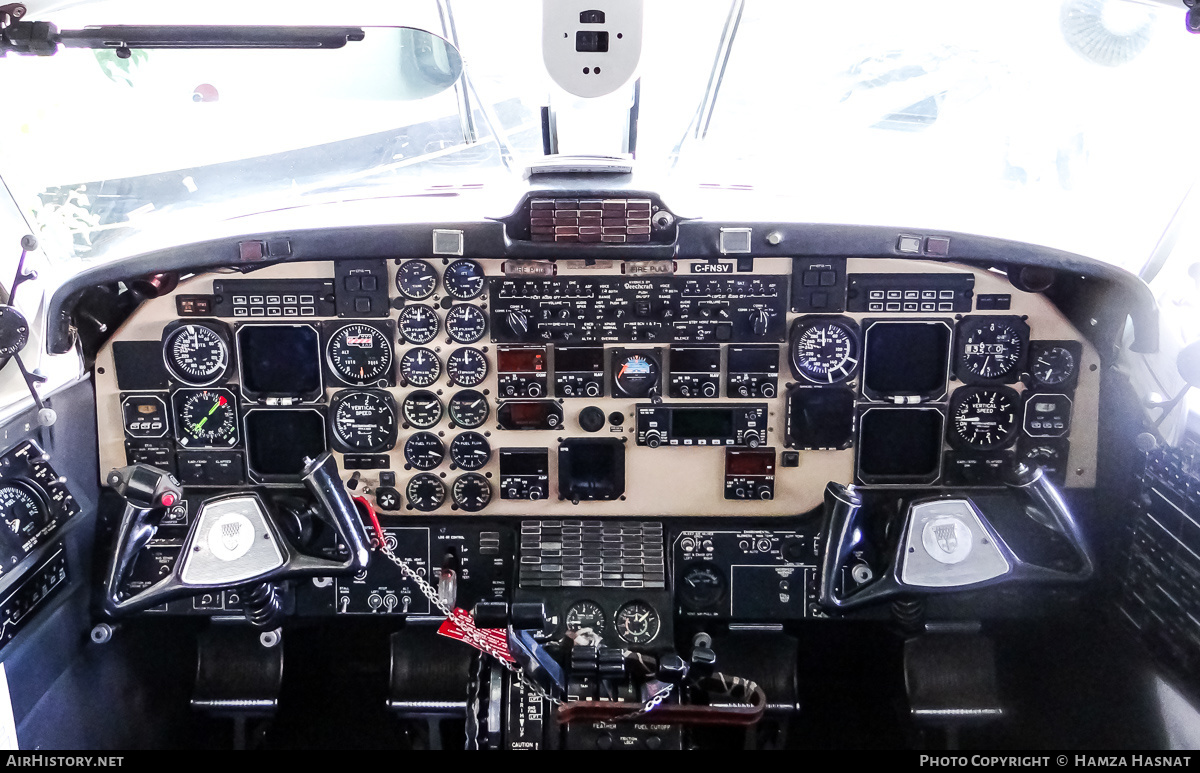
{"type": "Point", "coordinates": [43, 38]}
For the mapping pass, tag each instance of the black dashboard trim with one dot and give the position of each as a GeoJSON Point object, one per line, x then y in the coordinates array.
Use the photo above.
{"type": "Point", "coordinates": [1115, 294]}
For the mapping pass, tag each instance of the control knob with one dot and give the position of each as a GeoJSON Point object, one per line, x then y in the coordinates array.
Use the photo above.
{"type": "Point", "coordinates": [534, 390]}
{"type": "Point", "coordinates": [767, 389]}
{"type": "Point", "coordinates": [743, 390]}
{"type": "Point", "coordinates": [752, 439]}
{"type": "Point", "coordinates": [760, 320]}
{"type": "Point", "coordinates": [764, 492]}
{"type": "Point", "coordinates": [654, 438]}
{"type": "Point", "coordinates": [568, 390]}
{"type": "Point", "coordinates": [535, 492]}
{"type": "Point", "coordinates": [510, 390]}
{"type": "Point", "coordinates": [518, 322]}
{"type": "Point", "coordinates": [592, 389]}
{"type": "Point", "coordinates": [685, 390]}
{"type": "Point", "coordinates": [709, 389]}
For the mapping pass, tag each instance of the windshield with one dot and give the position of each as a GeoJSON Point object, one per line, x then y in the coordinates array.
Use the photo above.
{"type": "Point", "coordinates": [1057, 123]}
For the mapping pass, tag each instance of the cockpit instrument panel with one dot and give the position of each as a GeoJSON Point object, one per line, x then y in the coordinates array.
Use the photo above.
{"type": "Point", "coordinates": [582, 389]}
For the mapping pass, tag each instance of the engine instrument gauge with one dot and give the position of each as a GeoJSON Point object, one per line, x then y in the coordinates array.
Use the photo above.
{"type": "Point", "coordinates": [471, 492]}
{"type": "Point", "coordinates": [1052, 365]}
{"type": "Point", "coordinates": [701, 586]}
{"type": "Point", "coordinates": [420, 367]}
{"type": "Point", "coordinates": [363, 421]}
{"type": "Point", "coordinates": [359, 354]}
{"type": "Point", "coordinates": [418, 323]}
{"type": "Point", "coordinates": [635, 374]}
{"type": "Point", "coordinates": [22, 510]}
{"type": "Point", "coordinates": [991, 349]}
{"type": "Point", "coordinates": [463, 279]}
{"type": "Point", "coordinates": [824, 350]}
{"type": "Point", "coordinates": [470, 451]}
{"type": "Point", "coordinates": [196, 354]}
{"type": "Point", "coordinates": [469, 409]}
{"type": "Point", "coordinates": [205, 418]}
{"type": "Point", "coordinates": [637, 623]}
{"type": "Point", "coordinates": [467, 366]}
{"type": "Point", "coordinates": [465, 324]}
{"type": "Point", "coordinates": [983, 418]}
{"type": "Point", "coordinates": [425, 492]}
{"type": "Point", "coordinates": [585, 614]}
{"type": "Point", "coordinates": [421, 409]}
{"type": "Point", "coordinates": [424, 451]}
{"type": "Point", "coordinates": [416, 279]}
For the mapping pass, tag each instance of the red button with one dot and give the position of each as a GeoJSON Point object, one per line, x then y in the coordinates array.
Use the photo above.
{"type": "Point", "coordinates": [168, 499]}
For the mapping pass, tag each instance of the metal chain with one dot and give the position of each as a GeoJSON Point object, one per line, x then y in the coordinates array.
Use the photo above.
{"type": "Point", "coordinates": [477, 640]}
{"type": "Point", "coordinates": [472, 636]}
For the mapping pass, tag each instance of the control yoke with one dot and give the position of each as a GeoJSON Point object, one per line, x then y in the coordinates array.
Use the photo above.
{"type": "Point", "coordinates": [947, 545]}
{"type": "Point", "coordinates": [234, 539]}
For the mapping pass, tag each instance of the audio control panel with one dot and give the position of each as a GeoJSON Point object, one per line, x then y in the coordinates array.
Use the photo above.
{"type": "Point", "coordinates": [621, 310]}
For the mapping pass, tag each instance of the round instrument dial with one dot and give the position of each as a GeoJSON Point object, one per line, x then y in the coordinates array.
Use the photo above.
{"type": "Point", "coordinates": [425, 492]}
{"type": "Point", "coordinates": [422, 409]}
{"type": "Point", "coordinates": [363, 421]}
{"type": "Point", "coordinates": [637, 623]}
{"type": "Point", "coordinates": [416, 280]}
{"type": "Point", "coordinates": [418, 323]}
{"type": "Point", "coordinates": [465, 324]}
{"type": "Point", "coordinates": [983, 418]}
{"type": "Point", "coordinates": [22, 510]}
{"type": "Point", "coordinates": [424, 451]}
{"type": "Point", "coordinates": [467, 366]}
{"type": "Point", "coordinates": [463, 279]}
{"type": "Point", "coordinates": [701, 586]}
{"type": "Point", "coordinates": [636, 374]}
{"type": "Point", "coordinates": [1052, 366]}
{"type": "Point", "coordinates": [196, 354]}
{"type": "Point", "coordinates": [205, 418]}
{"type": "Point", "coordinates": [824, 350]}
{"type": "Point", "coordinates": [585, 614]}
{"type": "Point", "coordinates": [991, 347]}
{"type": "Point", "coordinates": [471, 492]}
{"type": "Point", "coordinates": [359, 354]}
{"type": "Point", "coordinates": [470, 451]}
{"type": "Point", "coordinates": [420, 367]}
{"type": "Point", "coordinates": [469, 409]}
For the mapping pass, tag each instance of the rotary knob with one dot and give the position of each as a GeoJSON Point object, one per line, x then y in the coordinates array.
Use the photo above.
{"type": "Point", "coordinates": [767, 389]}
{"type": "Point", "coordinates": [654, 438]}
{"type": "Point", "coordinates": [752, 439]}
{"type": "Point", "coordinates": [592, 389]}
{"type": "Point", "coordinates": [764, 492]}
{"type": "Point", "coordinates": [518, 322]}
{"type": "Point", "coordinates": [534, 390]}
{"type": "Point", "coordinates": [535, 492]}
{"type": "Point", "coordinates": [709, 389]}
{"type": "Point", "coordinates": [760, 320]}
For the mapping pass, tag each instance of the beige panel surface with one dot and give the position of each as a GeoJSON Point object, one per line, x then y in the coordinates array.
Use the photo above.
{"type": "Point", "coordinates": [662, 481]}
